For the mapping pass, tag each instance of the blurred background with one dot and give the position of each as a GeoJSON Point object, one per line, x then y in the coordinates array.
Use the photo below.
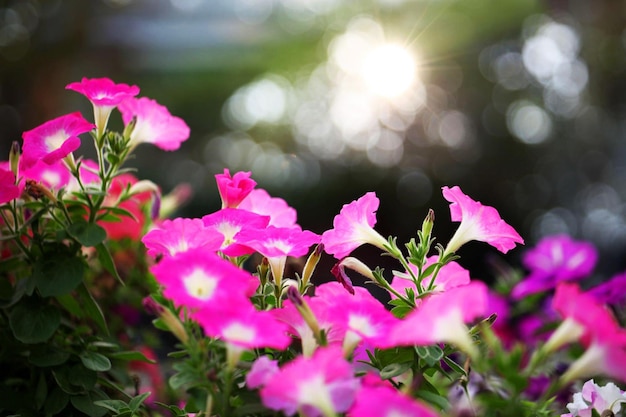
{"type": "Point", "coordinates": [519, 102]}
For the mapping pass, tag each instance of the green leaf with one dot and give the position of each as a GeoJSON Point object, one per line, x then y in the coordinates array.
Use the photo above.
{"type": "Point", "coordinates": [434, 399]}
{"type": "Point", "coordinates": [455, 366]}
{"type": "Point", "coordinates": [56, 401]}
{"type": "Point", "coordinates": [181, 378]}
{"type": "Point", "coordinates": [430, 354]}
{"type": "Point", "coordinates": [394, 369]}
{"type": "Point", "coordinates": [70, 304]}
{"type": "Point", "coordinates": [95, 361]}
{"type": "Point", "coordinates": [41, 392]}
{"type": "Point", "coordinates": [131, 356]}
{"type": "Point", "coordinates": [114, 405]}
{"type": "Point", "coordinates": [136, 402]}
{"type": "Point", "coordinates": [57, 274]}
{"type": "Point", "coordinates": [106, 260]}
{"type": "Point", "coordinates": [86, 403]}
{"type": "Point", "coordinates": [92, 308]}
{"type": "Point", "coordinates": [48, 356]}
{"type": "Point", "coordinates": [32, 321]}
{"type": "Point", "coordinates": [87, 234]}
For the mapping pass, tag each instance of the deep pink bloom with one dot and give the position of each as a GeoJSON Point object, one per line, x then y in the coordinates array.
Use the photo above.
{"type": "Point", "coordinates": [201, 279]}
{"type": "Point", "coordinates": [611, 291]}
{"type": "Point", "coordinates": [321, 385]}
{"type": "Point", "coordinates": [241, 325]}
{"type": "Point", "coordinates": [233, 189]}
{"type": "Point", "coordinates": [450, 275]}
{"type": "Point", "coordinates": [179, 235]}
{"type": "Point", "coordinates": [154, 124]}
{"type": "Point", "coordinates": [229, 222]}
{"type": "Point", "coordinates": [442, 317]}
{"type": "Point", "coordinates": [54, 176]}
{"type": "Point", "coordinates": [126, 227]}
{"type": "Point", "coordinates": [353, 227]}
{"type": "Point", "coordinates": [261, 371]}
{"type": "Point", "coordinates": [8, 190]}
{"type": "Point", "coordinates": [54, 140]}
{"type": "Point", "coordinates": [478, 222]}
{"type": "Point", "coordinates": [384, 401]}
{"type": "Point", "coordinates": [260, 202]}
{"type": "Point", "coordinates": [555, 259]}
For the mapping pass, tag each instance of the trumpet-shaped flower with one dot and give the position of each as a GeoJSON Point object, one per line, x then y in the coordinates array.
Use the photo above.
{"type": "Point", "coordinates": [594, 397]}
{"type": "Point", "coordinates": [179, 235]}
{"type": "Point", "coordinates": [54, 176]}
{"type": "Point", "coordinates": [555, 259]}
{"type": "Point", "coordinates": [321, 385]}
{"type": "Point", "coordinates": [478, 222]}
{"type": "Point", "coordinates": [353, 227]}
{"type": "Point", "coordinates": [385, 401]}
{"type": "Point", "coordinates": [104, 95]}
{"type": "Point", "coordinates": [450, 275]}
{"type": "Point", "coordinates": [154, 124]}
{"type": "Point", "coordinates": [53, 140]}
{"type": "Point", "coordinates": [8, 190]}
{"type": "Point", "coordinates": [229, 222]}
{"type": "Point", "coordinates": [260, 202]}
{"type": "Point", "coordinates": [201, 279]}
{"type": "Point", "coordinates": [442, 317]}
{"type": "Point", "coordinates": [233, 189]}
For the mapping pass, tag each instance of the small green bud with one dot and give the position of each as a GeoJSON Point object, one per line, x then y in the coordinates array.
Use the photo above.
{"type": "Point", "coordinates": [14, 158]}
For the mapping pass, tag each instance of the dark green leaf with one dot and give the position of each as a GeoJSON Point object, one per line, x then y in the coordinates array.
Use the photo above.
{"type": "Point", "coordinates": [104, 256]}
{"type": "Point", "coordinates": [130, 356]}
{"type": "Point", "coordinates": [32, 321]}
{"type": "Point", "coordinates": [181, 378]}
{"type": "Point", "coordinates": [114, 405]}
{"type": "Point", "coordinates": [434, 399]}
{"type": "Point", "coordinates": [58, 274]}
{"type": "Point", "coordinates": [47, 356]}
{"type": "Point", "coordinates": [41, 391]}
{"type": "Point", "coordinates": [56, 401]}
{"type": "Point", "coordinates": [455, 366]}
{"type": "Point", "coordinates": [70, 304]}
{"type": "Point", "coordinates": [136, 402]}
{"type": "Point", "coordinates": [92, 308]}
{"type": "Point", "coordinates": [87, 234]}
{"type": "Point", "coordinates": [394, 369]}
{"type": "Point", "coordinates": [82, 377]}
{"type": "Point", "coordinates": [95, 361]}
{"type": "Point", "coordinates": [86, 403]}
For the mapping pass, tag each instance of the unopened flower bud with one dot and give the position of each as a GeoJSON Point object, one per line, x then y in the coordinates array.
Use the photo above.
{"type": "Point", "coordinates": [174, 200]}
{"type": "Point", "coordinates": [263, 268]}
{"type": "Point", "coordinates": [169, 319]}
{"type": "Point", "coordinates": [305, 311]}
{"type": "Point", "coordinates": [143, 186]}
{"type": "Point", "coordinates": [311, 263]}
{"type": "Point", "coordinates": [354, 264]}
{"type": "Point", "coordinates": [38, 191]}
{"type": "Point", "coordinates": [128, 130]}
{"type": "Point", "coordinates": [427, 225]}
{"type": "Point", "coordinates": [14, 158]}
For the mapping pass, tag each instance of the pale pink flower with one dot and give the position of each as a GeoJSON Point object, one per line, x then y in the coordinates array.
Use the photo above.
{"type": "Point", "coordinates": [277, 243]}
{"type": "Point", "coordinates": [353, 227]}
{"type": "Point", "coordinates": [261, 371]}
{"type": "Point", "coordinates": [54, 176]}
{"type": "Point", "coordinates": [54, 140]}
{"type": "Point", "coordinates": [179, 235]}
{"type": "Point", "coordinates": [260, 202]}
{"type": "Point", "coordinates": [8, 190]}
{"type": "Point", "coordinates": [229, 222]}
{"type": "Point", "coordinates": [104, 95]}
{"type": "Point", "coordinates": [450, 275]}
{"type": "Point", "coordinates": [385, 401]}
{"type": "Point", "coordinates": [598, 398]}
{"type": "Point", "coordinates": [321, 385]}
{"type": "Point", "coordinates": [242, 326]}
{"type": "Point", "coordinates": [201, 279]}
{"type": "Point", "coordinates": [234, 189]}
{"type": "Point", "coordinates": [555, 259]}
{"type": "Point", "coordinates": [478, 222]}
{"type": "Point", "coordinates": [441, 318]}
{"type": "Point", "coordinates": [154, 124]}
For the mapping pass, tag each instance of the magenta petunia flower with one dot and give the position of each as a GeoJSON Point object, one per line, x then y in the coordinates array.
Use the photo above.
{"type": "Point", "coordinates": [54, 140]}
{"type": "Point", "coordinates": [8, 190]}
{"type": "Point", "coordinates": [179, 235]}
{"type": "Point", "coordinates": [201, 279]}
{"type": "Point", "coordinates": [54, 176]}
{"type": "Point", "coordinates": [261, 371]}
{"type": "Point", "coordinates": [450, 275]}
{"type": "Point", "coordinates": [611, 291]}
{"type": "Point", "coordinates": [321, 385]}
{"type": "Point", "coordinates": [154, 124]}
{"type": "Point", "coordinates": [478, 222]}
{"type": "Point", "coordinates": [277, 243]}
{"type": "Point", "coordinates": [234, 189]}
{"type": "Point", "coordinates": [555, 259]}
{"type": "Point", "coordinates": [241, 325]}
{"type": "Point", "coordinates": [229, 222]}
{"type": "Point", "coordinates": [104, 95]}
{"type": "Point", "coordinates": [260, 202]}
{"type": "Point", "coordinates": [384, 401]}
{"type": "Point", "coordinates": [442, 317]}
{"type": "Point", "coordinates": [353, 227]}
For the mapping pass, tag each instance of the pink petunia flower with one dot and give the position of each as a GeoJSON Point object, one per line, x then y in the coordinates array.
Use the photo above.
{"type": "Point", "coordinates": [260, 202]}
{"type": "Point", "coordinates": [53, 140]}
{"type": "Point", "coordinates": [353, 227]}
{"type": "Point", "coordinates": [598, 398]}
{"type": "Point", "coordinates": [277, 243]}
{"type": "Point", "coordinates": [104, 95]}
{"type": "Point", "coordinates": [54, 176]}
{"type": "Point", "coordinates": [555, 259]}
{"type": "Point", "coordinates": [234, 189]}
{"type": "Point", "coordinates": [384, 401]}
{"type": "Point", "coordinates": [611, 291]}
{"type": "Point", "coordinates": [8, 190]}
{"type": "Point", "coordinates": [154, 124]}
{"type": "Point", "coordinates": [229, 222]}
{"type": "Point", "coordinates": [451, 275]}
{"type": "Point", "coordinates": [321, 385]}
{"type": "Point", "coordinates": [478, 222]}
{"type": "Point", "coordinates": [261, 371]}
{"type": "Point", "coordinates": [442, 317]}
{"type": "Point", "coordinates": [179, 235]}
{"type": "Point", "coordinates": [201, 279]}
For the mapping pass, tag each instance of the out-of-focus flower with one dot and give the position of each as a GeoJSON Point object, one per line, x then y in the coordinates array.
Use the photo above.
{"type": "Point", "coordinates": [450, 275]}
{"type": "Point", "coordinates": [53, 140]}
{"type": "Point", "coordinates": [478, 222]}
{"type": "Point", "coordinates": [179, 235]}
{"type": "Point", "coordinates": [54, 176]}
{"type": "Point", "coordinates": [611, 291]}
{"type": "Point", "coordinates": [8, 190]}
{"type": "Point", "coordinates": [260, 202]}
{"type": "Point", "coordinates": [353, 227]}
{"type": "Point", "coordinates": [384, 401]}
{"type": "Point", "coordinates": [154, 124]}
{"type": "Point", "coordinates": [321, 385]}
{"type": "Point", "coordinates": [234, 189]}
{"type": "Point", "coordinates": [555, 259]}
{"type": "Point", "coordinates": [261, 371]}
